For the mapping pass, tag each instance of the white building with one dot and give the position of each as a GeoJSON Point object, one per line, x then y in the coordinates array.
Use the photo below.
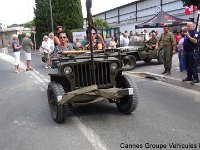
{"type": "Point", "coordinates": [127, 16]}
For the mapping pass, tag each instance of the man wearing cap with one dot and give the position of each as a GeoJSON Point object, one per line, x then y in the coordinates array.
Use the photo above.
{"type": "Point", "coordinates": [169, 48]}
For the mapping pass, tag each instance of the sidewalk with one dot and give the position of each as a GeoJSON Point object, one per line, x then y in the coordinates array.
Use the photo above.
{"type": "Point", "coordinates": [175, 78]}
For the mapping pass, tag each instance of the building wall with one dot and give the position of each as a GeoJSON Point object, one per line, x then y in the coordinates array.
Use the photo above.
{"type": "Point", "coordinates": [127, 16]}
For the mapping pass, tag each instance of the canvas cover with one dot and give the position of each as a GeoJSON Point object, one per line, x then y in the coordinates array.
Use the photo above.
{"type": "Point", "coordinates": [162, 18]}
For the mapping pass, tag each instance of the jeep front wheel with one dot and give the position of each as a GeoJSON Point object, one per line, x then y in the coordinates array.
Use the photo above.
{"type": "Point", "coordinates": [128, 103]}
{"type": "Point", "coordinates": [58, 112]}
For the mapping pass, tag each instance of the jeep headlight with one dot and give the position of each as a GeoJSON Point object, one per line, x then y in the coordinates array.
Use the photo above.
{"type": "Point", "coordinates": [68, 70]}
{"type": "Point", "coordinates": [114, 66]}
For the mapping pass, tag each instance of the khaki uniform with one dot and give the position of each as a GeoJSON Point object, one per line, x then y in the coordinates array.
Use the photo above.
{"type": "Point", "coordinates": [152, 42]}
{"type": "Point", "coordinates": [167, 41]}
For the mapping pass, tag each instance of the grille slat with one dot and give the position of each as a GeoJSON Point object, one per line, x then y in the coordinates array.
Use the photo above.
{"type": "Point", "coordinates": [84, 75]}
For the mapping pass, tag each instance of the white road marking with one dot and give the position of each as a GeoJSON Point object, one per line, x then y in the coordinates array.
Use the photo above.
{"type": "Point", "coordinates": [46, 80]}
{"type": "Point", "coordinates": [92, 137]}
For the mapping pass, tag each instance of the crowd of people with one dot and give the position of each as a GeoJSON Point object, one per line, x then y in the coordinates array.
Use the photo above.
{"type": "Point", "coordinates": [185, 42]}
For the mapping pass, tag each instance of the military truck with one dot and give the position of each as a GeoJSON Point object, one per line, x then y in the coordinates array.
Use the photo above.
{"type": "Point", "coordinates": [75, 81]}
{"type": "Point", "coordinates": [138, 50]}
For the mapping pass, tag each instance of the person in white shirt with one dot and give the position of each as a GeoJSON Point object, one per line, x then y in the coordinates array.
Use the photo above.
{"type": "Point", "coordinates": [124, 41]}
{"type": "Point", "coordinates": [51, 42]}
{"type": "Point", "coordinates": [46, 46]}
{"type": "Point", "coordinates": [181, 54]}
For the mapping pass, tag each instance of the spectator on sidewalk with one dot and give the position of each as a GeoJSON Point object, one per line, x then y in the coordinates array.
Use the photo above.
{"type": "Point", "coordinates": [112, 43]}
{"type": "Point", "coordinates": [180, 54]}
{"type": "Point", "coordinates": [51, 42]}
{"type": "Point", "coordinates": [78, 44]}
{"type": "Point", "coordinates": [46, 46]}
{"type": "Point", "coordinates": [125, 40]}
{"type": "Point", "coordinates": [84, 42]}
{"type": "Point", "coordinates": [190, 47]}
{"type": "Point", "coordinates": [169, 48]}
{"type": "Point", "coordinates": [27, 45]}
{"type": "Point", "coordinates": [16, 51]}
{"type": "Point", "coordinates": [107, 40]}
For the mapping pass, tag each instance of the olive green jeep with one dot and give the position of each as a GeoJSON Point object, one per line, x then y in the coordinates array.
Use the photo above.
{"type": "Point", "coordinates": [76, 80]}
{"type": "Point", "coordinates": [139, 51]}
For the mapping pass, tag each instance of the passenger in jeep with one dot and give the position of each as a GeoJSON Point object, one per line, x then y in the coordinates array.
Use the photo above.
{"type": "Point", "coordinates": [152, 42]}
{"type": "Point", "coordinates": [97, 41]}
{"type": "Point", "coordinates": [64, 44]}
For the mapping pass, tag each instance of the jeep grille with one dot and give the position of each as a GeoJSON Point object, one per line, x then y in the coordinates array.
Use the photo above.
{"type": "Point", "coordinates": [84, 77]}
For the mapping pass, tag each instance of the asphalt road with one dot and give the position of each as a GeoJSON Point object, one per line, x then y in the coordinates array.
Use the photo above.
{"type": "Point", "coordinates": [166, 114]}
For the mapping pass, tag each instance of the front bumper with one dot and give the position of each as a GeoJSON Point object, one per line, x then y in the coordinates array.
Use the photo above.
{"type": "Point", "coordinates": [92, 94]}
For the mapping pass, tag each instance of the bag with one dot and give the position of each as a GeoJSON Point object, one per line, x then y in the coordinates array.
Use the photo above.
{"type": "Point", "coordinates": [41, 50]}
{"type": "Point", "coordinates": [44, 59]}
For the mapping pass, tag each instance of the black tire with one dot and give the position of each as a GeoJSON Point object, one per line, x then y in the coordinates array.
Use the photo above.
{"type": "Point", "coordinates": [129, 103]}
{"type": "Point", "coordinates": [160, 56]}
{"type": "Point", "coordinates": [58, 112]}
{"type": "Point", "coordinates": [133, 59]}
{"type": "Point", "coordinates": [147, 60]}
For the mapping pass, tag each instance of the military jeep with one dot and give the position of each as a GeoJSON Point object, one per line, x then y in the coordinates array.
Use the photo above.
{"type": "Point", "coordinates": [75, 80]}
{"type": "Point", "coordinates": [138, 50]}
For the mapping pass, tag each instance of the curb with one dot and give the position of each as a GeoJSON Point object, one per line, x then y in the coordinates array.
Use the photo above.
{"type": "Point", "coordinates": [167, 79]}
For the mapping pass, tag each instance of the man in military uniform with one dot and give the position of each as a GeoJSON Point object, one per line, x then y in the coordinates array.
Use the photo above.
{"type": "Point", "coordinates": [190, 47]}
{"type": "Point", "coordinates": [169, 48]}
{"type": "Point", "coordinates": [152, 42]}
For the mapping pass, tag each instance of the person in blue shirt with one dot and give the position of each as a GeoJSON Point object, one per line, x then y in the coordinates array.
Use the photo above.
{"type": "Point", "coordinates": [190, 46]}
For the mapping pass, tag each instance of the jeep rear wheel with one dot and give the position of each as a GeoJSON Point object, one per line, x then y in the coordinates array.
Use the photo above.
{"type": "Point", "coordinates": [58, 112]}
{"type": "Point", "coordinates": [133, 59]}
{"type": "Point", "coordinates": [160, 56]}
{"type": "Point", "coordinates": [128, 103]}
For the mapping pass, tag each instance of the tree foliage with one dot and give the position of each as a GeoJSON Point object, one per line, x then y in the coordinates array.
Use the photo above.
{"type": "Point", "coordinates": [100, 23]}
{"type": "Point", "coordinates": [29, 24]}
{"type": "Point", "coordinates": [66, 13]}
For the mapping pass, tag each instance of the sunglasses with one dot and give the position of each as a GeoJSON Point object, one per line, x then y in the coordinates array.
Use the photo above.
{"type": "Point", "coordinates": [62, 37]}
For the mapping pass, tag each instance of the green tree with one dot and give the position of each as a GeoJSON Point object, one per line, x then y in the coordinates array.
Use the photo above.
{"type": "Point", "coordinates": [29, 24]}
{"type": "Point", "coordinates": [100, 23]}
{"type": "Point", "coordinates": [67, 13]}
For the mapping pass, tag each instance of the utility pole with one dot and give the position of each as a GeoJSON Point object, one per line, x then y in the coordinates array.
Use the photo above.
{"type": "Point", "coordinates": [52, 28]}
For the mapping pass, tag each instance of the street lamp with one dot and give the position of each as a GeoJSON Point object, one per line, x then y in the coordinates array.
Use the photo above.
{"type": "Point", "coordinates": [51, 16]}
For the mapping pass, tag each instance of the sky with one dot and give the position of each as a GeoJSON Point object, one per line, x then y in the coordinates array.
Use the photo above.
{"type": "Point", "coordinates": [21, 11]}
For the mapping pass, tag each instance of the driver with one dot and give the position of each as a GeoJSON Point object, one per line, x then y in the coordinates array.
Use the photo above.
{"type": "Point", "coordinates": [152, 42]}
